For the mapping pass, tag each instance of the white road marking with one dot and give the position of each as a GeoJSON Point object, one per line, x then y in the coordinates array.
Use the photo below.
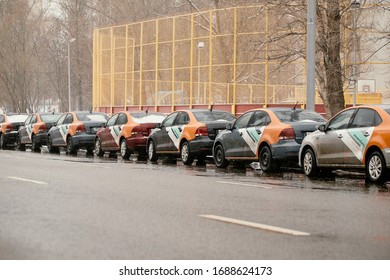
{"type": "Point", "coordinates": [256, 225]}
{"type": "Point", "coordinates": [27, 180]}
{"type": "Point", "coordinates": [245, 185]}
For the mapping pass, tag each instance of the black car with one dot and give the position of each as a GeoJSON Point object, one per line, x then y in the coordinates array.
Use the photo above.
{"type": "Point", "coordinates": [10, 124]}
{"type": "Point", "coordinates": [75, 130]}
{"type": "Point", "coordinates": [34, 131]}
{"type": "Point", "coordinates": [271, 136]}
{"type": "Point", "coordinates": [189, 134]}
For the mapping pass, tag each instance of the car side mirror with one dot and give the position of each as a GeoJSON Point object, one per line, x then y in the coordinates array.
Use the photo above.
{"type": "Point", "coordinates": [229, 126]}
{"type": "Point", "coordinates": [158, 125]}
{"type": "Point", "coordinates": [322, 128]}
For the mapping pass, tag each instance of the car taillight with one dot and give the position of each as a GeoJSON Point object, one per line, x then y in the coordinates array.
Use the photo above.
{"type": "Point", "coordinates": [140, 130]}
{"type": "Point", "coordinates": [80, 128]}
{"type": "Point", "coordinates": [202, 131]}
{"type": "Point", "coordinates": [42, 127]}
{"type": "Point", "coordinates": [287, 133]}
{"type": "Point", "coordinates": [9, 127]}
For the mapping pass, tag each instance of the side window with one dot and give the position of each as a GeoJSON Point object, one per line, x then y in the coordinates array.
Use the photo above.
{"type": "Point", "coordinates": [169, 120]}
{"type": "Point", "coordinates": [2, 118]}
{"type": "Point", "coordinates": [242, 121]}
{"type": "Point", "coordinates": [259, 118]}
{"type": "Point", "coordinates": [112, 120]}
{"type": "Point", "coordinates": [68, 119]}
{"type": "Point", "coordinates": [28, 120]}
{"type": "Point", "coordinates": [61, 120]}
{"type": "Point", "coordinates": [341, 121]}
{"type": "Point", "coordinates": [34, 119]}
{"type": "Point", "coordinates": [366, 118]}
{"type": "Point", "coordinates": [182, 119]}
{"type": "Point", "coordinates": [122, 119]}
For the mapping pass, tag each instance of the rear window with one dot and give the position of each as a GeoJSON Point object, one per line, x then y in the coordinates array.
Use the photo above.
{"type": "Point", "coordinates": [204, 116]}
{"type": "Point", "coordinates": [97, 117]}
{"type": "Point", "coordinates": [298, 116]}
{"type": "Point", "coordinates": [17, 118]}
{"type": "Point", "coordinates": [50, 118]}
{"type": "Point", "coordinates": [148, 117]}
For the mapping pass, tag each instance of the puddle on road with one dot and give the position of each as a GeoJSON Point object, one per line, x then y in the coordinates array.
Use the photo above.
{"type": "Point", "coordinates": [249, 174]}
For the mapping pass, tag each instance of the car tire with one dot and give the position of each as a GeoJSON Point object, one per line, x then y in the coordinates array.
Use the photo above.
{"type": "Point", "coordinates": [376, 170]}
{"type": "Point", "coordinates": [265, 159]}
{"type": "Point", "coordinates": [70, 148]}
{"type": "Point", "coordinates": [185, 153]}
{"type": "Point", "coordinates": [309, 163]}
{"type": "Point", "coordinates": [34, 146]}
{"type": "Point", "coordinates": [50, 147]}
{"type": "Point", "coordinates": [219, 156]}
{"type": "Point", "coordinates": [152, 155]}
{"type": "Point", "coordinates": [99, 152]}
{"type": "Point", "coordinates": [124, 150]}
{"type": "Point", "coordinates": [3, 144]}
{"type": "Point", "coordinates": [19, 145]}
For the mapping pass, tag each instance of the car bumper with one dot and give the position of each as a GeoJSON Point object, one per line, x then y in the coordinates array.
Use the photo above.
{"type": "Point", "coordinates": [84, 140]}
{"type": "Point", "coordinates": [201, 145]}
{"type": "Point", "coordinates": [285, 150]}
{"type": "Point", "coordinates": [137, 143]}
{"type": "Point", "coordinates": [9, 138]}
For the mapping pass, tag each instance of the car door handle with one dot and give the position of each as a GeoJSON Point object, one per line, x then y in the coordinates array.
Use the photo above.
{"type": "Point", "coordinates": [366, 134]}
{"type": "Point", "coordinates": [340, 136]}
{"type": "Point", "coordinates": [258, 131]}
{"type": "Point", "coordinates": [240, 133]}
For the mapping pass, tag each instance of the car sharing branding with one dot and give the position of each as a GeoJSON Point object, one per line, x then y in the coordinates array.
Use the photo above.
{"type": "Point", "coordinates": [175, 133]}
{"type": "Point", "coordinates": [116, 132]}
{"type": "Point", "coordinates": [251, 136]}
{"type": "Point", "coordinates": [29, 130]}
{"type": "Point", "coordinates": [64, 131]}
{"type": "Point", "coordinates": [356, 140]}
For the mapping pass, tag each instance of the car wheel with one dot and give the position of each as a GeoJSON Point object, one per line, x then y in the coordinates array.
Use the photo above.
{"type": "Point", "coordinates": [19, 145]}
{"type": "Point", "coordinates": [98, 148]}
{"type": "Point", "coordinates": [3, 145]}
{"type": "Point", "coordinates": [219, 156]}
{"type": "Point", "coordinates": [34, 146]}
{"type": "Point", "coordinates": [376, 170]}
{"type": "Point", "coordinates": [265, 159]}
{"type": "Point", "coordinates": [50, 147]}
{"type": "Point", "coordinates": [309, 163]}
{"type": "Point", "coordinates": [152, 155]}
{"type": "Point", "coordinates": [185, 154]}
{"type": "Point", "coordinates": [125, 152]}
{"type": "Point", "coordinates": [70, 148]}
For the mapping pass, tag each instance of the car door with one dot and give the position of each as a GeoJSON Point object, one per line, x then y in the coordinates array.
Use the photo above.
{"type": "Point", "coordinates": [30, 126]}
{"type": "Point", "coordinates": [331, 147]}
{"type": "Point", "coordinates": [358, 135]}
{"type": "Point", "coordinates": [252, 134]}
{"type": "Point", "coordinates": [176, 130]}
{"type": "Point", "coordinates": [105, 135]}
{"type": "Point", "coordinates": [59, 137]}
{"type": "Point", "coordinates": [162, 139]}
{"type": "Point", "coordinates": [117, 129]}
{"type": "Point", "coordinates": [23, 133]}
{"type": "Point", "coordinates": [234, 140]}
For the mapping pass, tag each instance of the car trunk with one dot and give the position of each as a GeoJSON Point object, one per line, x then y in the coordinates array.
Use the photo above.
{"type": "Point", "coordinates": [214, 127]}
{"type": "Point", "coordinates": [17, 125]}
{"type": "Point", "coordinates": [303, 128]}
{"type": "Point", "coordinates": [91, 127]}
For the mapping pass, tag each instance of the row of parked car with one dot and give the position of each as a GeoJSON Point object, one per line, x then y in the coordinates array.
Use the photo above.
{"type": "Point", "coordinates": [356, 138]}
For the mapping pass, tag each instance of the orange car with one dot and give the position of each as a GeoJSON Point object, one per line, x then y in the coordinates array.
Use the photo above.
{"type": "Point", "coordinates": [188, 133]}
{"type": "Point", "coordinates": [271, 136]}
{"type": "Point", "coordinates": [75, 130]}
{"type": "Point", "coordinates": [126, 132]}
{"type": "Point", "coordinates": [355, 138]}
{"type": "Point", "coordinates": [9, 126]}
{"type": "Point", "coordinates": [34, 131]}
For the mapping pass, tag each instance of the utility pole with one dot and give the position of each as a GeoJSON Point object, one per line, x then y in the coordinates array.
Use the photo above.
{"type": "Point", "coordinates": [311, 55]}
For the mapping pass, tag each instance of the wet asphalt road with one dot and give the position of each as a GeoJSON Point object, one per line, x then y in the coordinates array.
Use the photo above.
{"type": "Point", "coordinates": [66, 207]}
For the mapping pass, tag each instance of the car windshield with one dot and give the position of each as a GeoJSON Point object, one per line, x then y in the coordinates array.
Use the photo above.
{"type": "Point", "coordinates": [97, 117]}
{"type": "Point", "coordinates": [50, 118]}
{"type": "Point", "coordinates": [148, 117]}
{"type": "Point", "coordinates": [298, 116]}
{"type": "Point", "coordinates": [204, 116]}
{"type": "Point", "coordinates": [17, 118]}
